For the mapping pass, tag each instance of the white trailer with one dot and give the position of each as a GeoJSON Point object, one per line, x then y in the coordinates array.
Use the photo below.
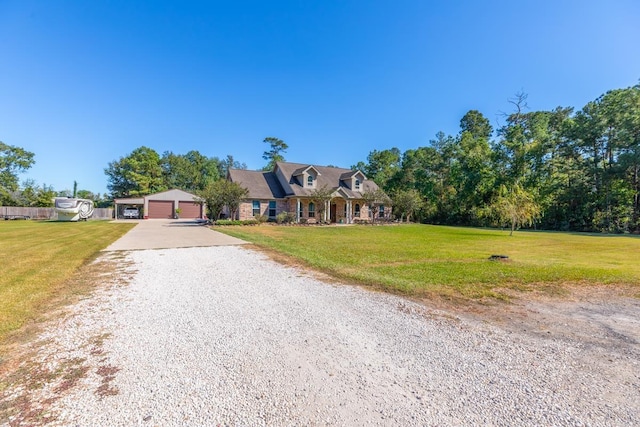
{"type": "Point", "coordinates": [71, 209]}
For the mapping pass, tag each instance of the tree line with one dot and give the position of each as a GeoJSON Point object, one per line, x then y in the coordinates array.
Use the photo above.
{"type": "Point", "coordinates": [15, 160]}
{"type": "Point", "coordinates": [144, 171]}
{"type": "Point", "coordinates": [557, 170]}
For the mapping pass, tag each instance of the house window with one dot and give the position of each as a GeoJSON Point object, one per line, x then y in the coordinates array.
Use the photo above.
{"type": "Point", "coordinates": [312, 210]}
{"type": "Point", "coordinates": [272, 208]}
{"type": "Point", "coordinates": [357, 210]}
{"type": "Point", "coordinates": [309, 181]}
{"type": "Point", "coordinates": [256, 207]}
{"type": "Point", "coordinates": [345, 210]}
{"type": "Point", "coordinates": [381, 214]}
{"type": "Point", "coordinates": [357, 184]}
{"type": "Point", "coordinates": [301, 211]}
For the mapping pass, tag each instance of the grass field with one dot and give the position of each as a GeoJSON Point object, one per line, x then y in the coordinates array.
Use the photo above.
{"type": "Point", "coordinates": [425, 260]}
{"type": "Point", "coordinates": [39, 257]}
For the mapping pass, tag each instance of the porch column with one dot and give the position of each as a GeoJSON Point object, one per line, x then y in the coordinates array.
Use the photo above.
{"type": "Point", "coordinates": [298, 210]}
{"type": "Point", "coordinates": [327, 207]}
{"type": "Point", "coordinates": [348, 211]}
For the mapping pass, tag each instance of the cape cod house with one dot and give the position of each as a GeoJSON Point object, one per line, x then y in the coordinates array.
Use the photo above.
{"type": "Point", "coordinates": [290, 188]}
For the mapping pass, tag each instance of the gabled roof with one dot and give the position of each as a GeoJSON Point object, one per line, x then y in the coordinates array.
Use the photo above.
{"type": "Point", "coordinates": [175, 192]}
{"type": "Point", "coordinates": [261, 185]}
{"type": "Point", "coordinates": [348, 175]}
{"type": "Point", "coordinates": [328, 177]}
{"type": "Point", "coordinates": [304, 169]}
{"type": "Point", "coordinates": [266, 185]}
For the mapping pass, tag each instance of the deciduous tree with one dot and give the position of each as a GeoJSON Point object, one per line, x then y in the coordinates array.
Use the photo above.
{"type": "Point", "coordinates": [137, 174]}
{"type": "Point", "coordinates": [515, 206]}
{"type": "Point", "coordinates": [321, 196]}
{"type": "Point", "coordinates": [374, 199]}
{"type": "Point", "coordinates": [221, 193]}
{"type": "Point", "coordinates": [406, 202]}
{"type": "Point", "coordinates": [13, 160]}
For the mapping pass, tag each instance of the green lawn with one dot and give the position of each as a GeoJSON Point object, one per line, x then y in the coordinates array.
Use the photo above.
{"type": "Point", "coordinates": [427, 260]}
{"type": "Point", "coordinates": [39, 257]}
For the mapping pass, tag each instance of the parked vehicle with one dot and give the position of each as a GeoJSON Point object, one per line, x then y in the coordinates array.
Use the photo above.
{"type": "Point", "coordinates": [72, 209]}
{"type": "Point", "coordinates": [131, 213]}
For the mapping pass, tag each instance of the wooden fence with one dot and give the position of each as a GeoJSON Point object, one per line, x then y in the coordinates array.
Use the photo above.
{"type": "Point", "coordinates": [47, 213]}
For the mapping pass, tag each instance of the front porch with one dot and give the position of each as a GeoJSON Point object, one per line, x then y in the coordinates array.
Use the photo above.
{"type": "Point", "coordinates": [337, 211]}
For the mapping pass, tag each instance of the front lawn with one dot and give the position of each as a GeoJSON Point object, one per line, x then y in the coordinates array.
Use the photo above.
{"type": "Point", "coordinates": [428, 260]}
{"type": "Point", "coordinates": [39, 257]}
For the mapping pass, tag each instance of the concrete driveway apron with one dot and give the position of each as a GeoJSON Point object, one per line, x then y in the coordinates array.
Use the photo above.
{"type": "Point", "coordinates": [169, 233]}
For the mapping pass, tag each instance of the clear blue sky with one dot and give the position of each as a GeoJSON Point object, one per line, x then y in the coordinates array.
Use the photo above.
{"type": "Point", "coordinates": [86, 82]}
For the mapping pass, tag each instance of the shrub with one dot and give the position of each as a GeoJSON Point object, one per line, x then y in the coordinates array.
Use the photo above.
{"type": "Point", "coordinates": [285, 218]}
{"type": "Point", "coordinates": [261, 218]}
{"type": "Point", "coordinates": [303, 220]}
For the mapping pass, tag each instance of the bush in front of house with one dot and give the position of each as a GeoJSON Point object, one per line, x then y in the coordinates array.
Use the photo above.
{"type": "Point", "coordinates": [261, 218]}
{"type": "Point", "coordinates": [286, 218]}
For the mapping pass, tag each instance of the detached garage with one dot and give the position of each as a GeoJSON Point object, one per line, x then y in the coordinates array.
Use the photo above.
{"type": "Point", "coordinates": [163, 205]}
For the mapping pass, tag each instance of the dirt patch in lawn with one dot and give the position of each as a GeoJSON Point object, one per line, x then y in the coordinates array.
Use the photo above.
{"type": "Point", "coordinates": [35, 371]}
{"type": "Point", "coordinates": [606, 317]}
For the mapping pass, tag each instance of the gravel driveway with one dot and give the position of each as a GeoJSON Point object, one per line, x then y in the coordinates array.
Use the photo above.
{"type": "Point", "coordinates": [225, 336]}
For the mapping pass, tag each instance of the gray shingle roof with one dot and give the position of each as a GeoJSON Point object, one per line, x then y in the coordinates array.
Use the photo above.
{"type": "Point", "coordinates": [261, 185]}
{"type": "Point", "coordinates": [265, 185]}
{"type": "Point", "coordinates": [328, 176]}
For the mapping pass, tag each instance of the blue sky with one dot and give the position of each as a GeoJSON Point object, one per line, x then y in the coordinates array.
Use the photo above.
{"type": "Point", "coordinates": [83, 83]}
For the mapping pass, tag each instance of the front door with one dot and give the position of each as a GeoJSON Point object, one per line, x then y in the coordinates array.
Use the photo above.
{"type": "Point", "coordinates": [333, 212]}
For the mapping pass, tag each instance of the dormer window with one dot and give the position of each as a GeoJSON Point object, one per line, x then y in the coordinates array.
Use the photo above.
{"type": "Point", "coordinates": [357, 184]}
{"type": "Point", "coordinates": [309, 181]}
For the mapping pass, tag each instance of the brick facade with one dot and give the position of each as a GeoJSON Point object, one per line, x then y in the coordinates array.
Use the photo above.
{"type": "Point", "coordinates": [245, 211]}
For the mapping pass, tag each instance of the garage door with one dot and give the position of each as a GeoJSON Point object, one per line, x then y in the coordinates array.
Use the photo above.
{"type": "Point", "coordinates": [160, 209]}
{"type": "Point", "coordinates": [189, 210]}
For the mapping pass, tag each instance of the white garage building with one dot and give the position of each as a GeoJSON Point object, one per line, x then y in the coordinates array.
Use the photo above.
{"type": "Point", "coordinates": [163, 205]}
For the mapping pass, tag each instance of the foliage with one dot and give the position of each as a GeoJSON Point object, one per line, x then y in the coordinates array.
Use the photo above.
{"type": "Point", "coordinates": [189, 172]}
{"type": "Point", "coordinates": [381, 166]}
{"type": "Point", "coordinates": [138, 174]}
{"type": "Point", "coordinates": [406, 202]}
{"type": "Point", "coordinates": [286, 218]}
{"type": "Point", "coordinates": [99, 201]}
{"type": "Point", "coordinates": [32, 195]}
{"type": "Point", "coordinates": [374, 199]}
{"type": "Point", "coordinates": [144, 172]}
{"type": "Point", "coordinates": [225, 222]}
{"type": "Point", "coordinates": [220, 194]}
{"type": "Point", "coordinates": [230, 163]}
{"type": "Point", "coordinates": [13, 160]}
{"type": "Point", "coordinates": [275, 153]}
{"type": "Point", "coordinates": [39, 258]}
{"type": "Point", "coordinates": [515, 206]}
{"type": "Point", "coordinates": [426, 260]}
{"type": "Point", "coordinates": [583, 167]}
{"type": "Point", "coordinates": [321, 196]}
{"type": "Point", "coordinates": [261, 218]}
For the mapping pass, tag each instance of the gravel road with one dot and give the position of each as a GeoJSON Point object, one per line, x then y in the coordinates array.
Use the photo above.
{"type": "Point", "coordinates": [225, 336]}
